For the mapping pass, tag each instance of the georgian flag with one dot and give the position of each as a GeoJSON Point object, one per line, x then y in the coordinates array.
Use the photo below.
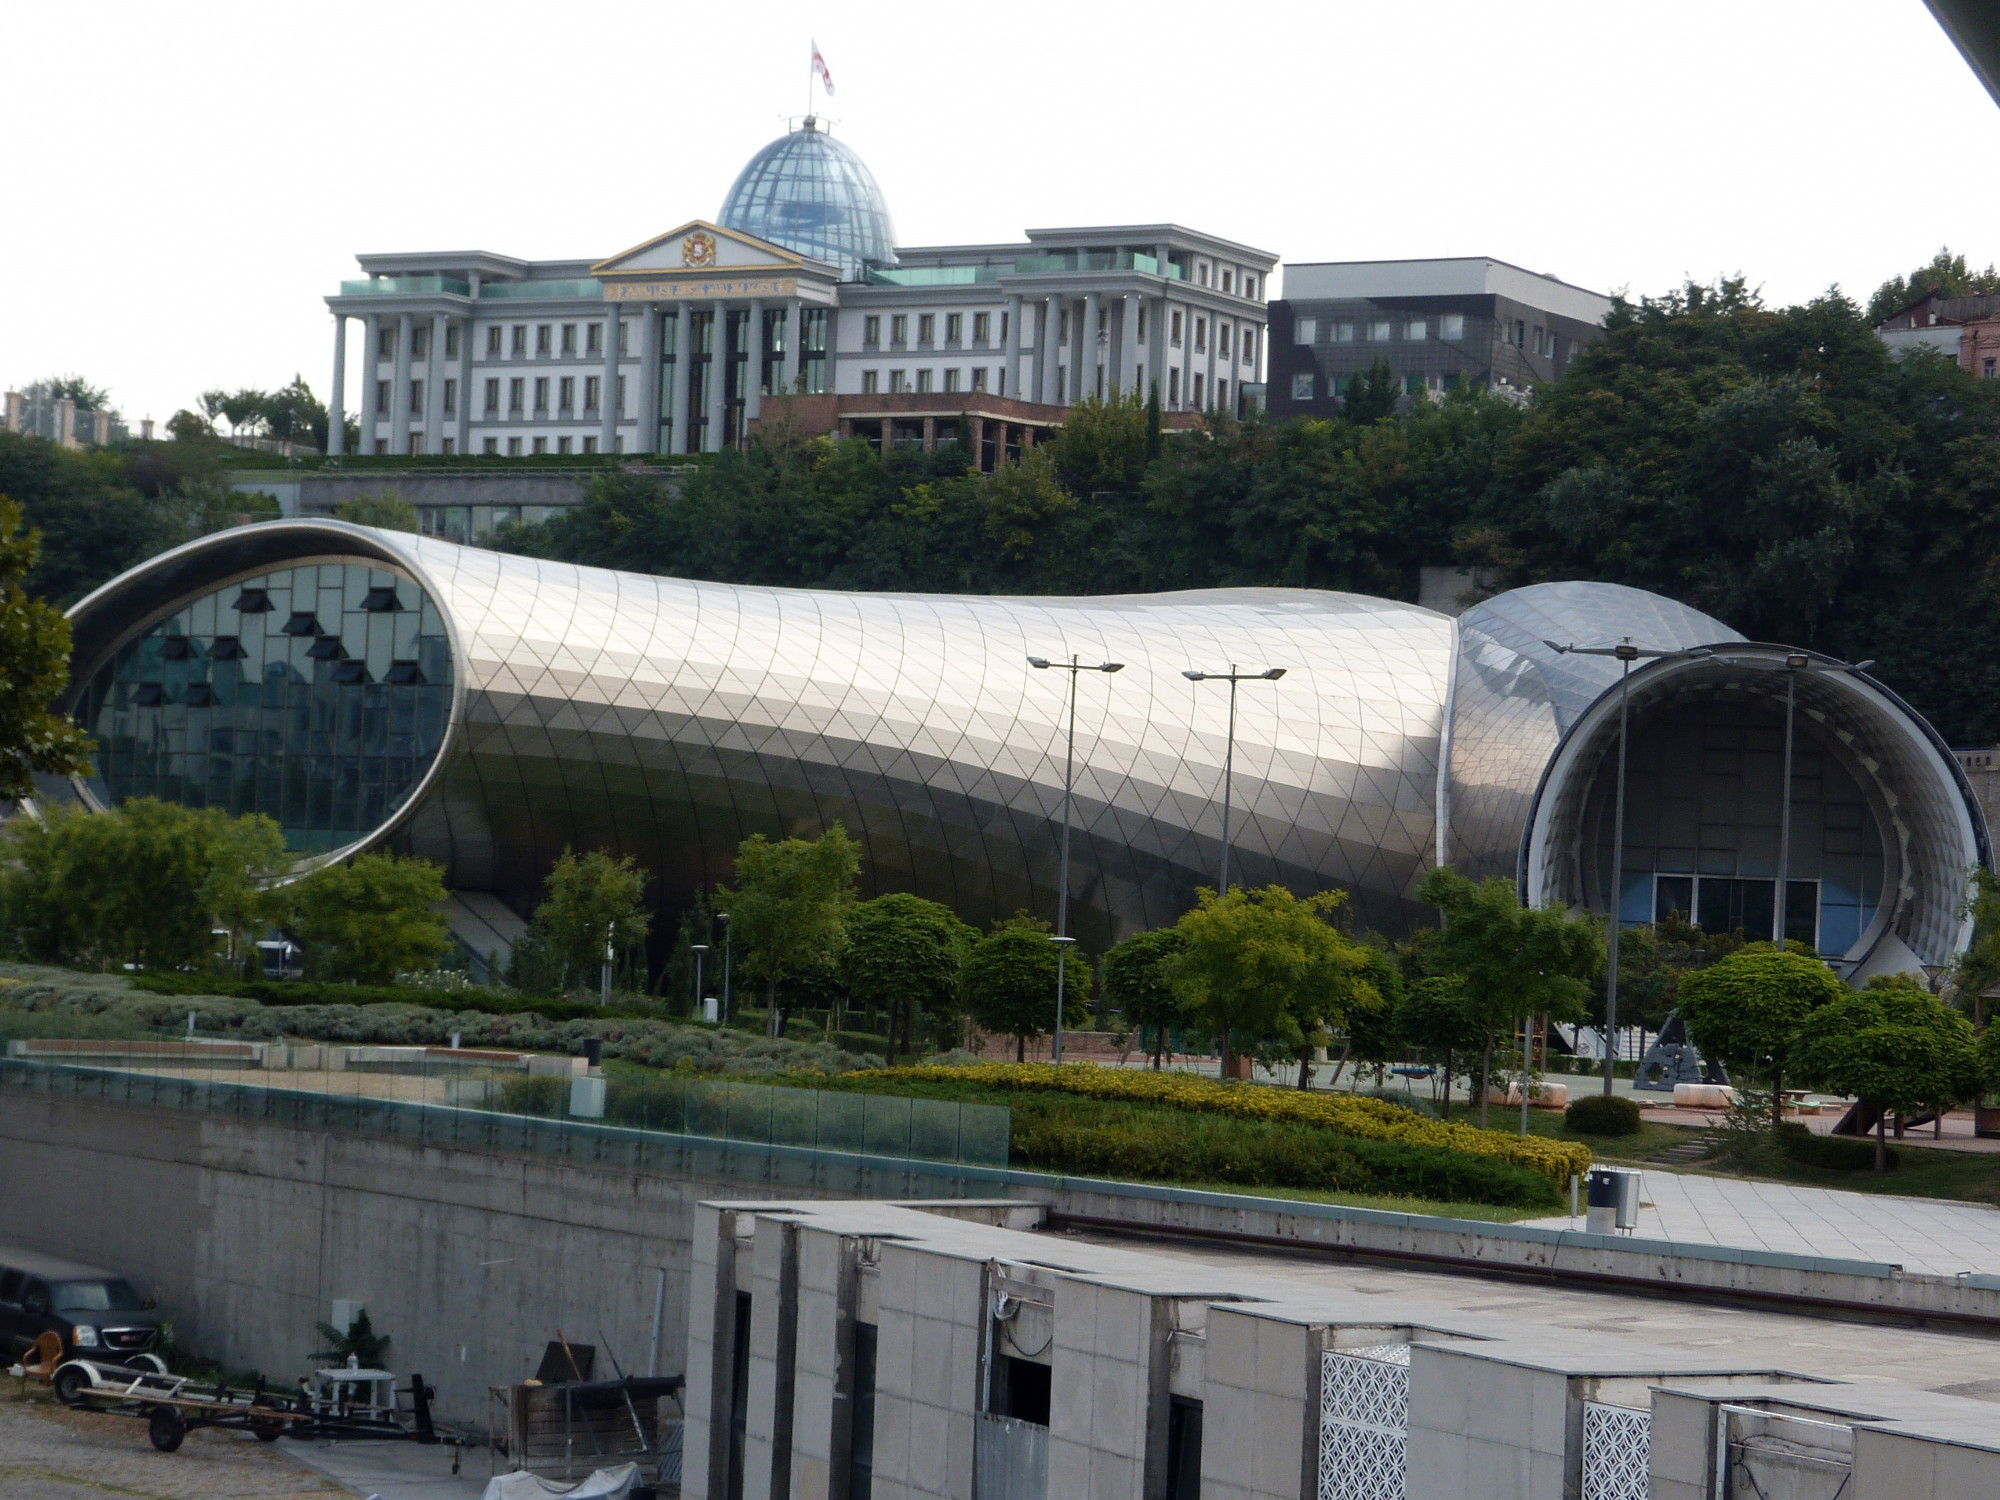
{"type": "Point", "coordinates": [819, 71]}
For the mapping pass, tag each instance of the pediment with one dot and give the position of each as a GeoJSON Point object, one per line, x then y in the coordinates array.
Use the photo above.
{"type": "Point", "coordinates": [700, 246]}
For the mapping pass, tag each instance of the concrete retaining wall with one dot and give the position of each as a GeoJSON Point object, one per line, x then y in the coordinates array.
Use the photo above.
{"type": "Point", "coordinates": [247, 1230]}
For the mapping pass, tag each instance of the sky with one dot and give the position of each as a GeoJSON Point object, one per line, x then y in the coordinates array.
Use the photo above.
{"type": "Point", "coordinates": [188, 182]}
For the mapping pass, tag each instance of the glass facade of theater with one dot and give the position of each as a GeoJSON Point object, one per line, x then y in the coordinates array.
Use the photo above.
{"type": "Point", "coordinates": [317, 695]}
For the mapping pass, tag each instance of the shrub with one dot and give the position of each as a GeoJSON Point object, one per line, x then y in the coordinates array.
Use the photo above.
{"type": "Point", "coordinates": [534, 1095]}
{"type": "Point", "coordinates": [1603, 1114]}
{"type": "Point", "coordinates": [1346, 1114]}
{"type": "Point", "coordinates": [1835, 1153]}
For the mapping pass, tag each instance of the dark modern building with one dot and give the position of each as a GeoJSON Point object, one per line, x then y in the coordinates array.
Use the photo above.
{"type": "Point", "coordinates": [1435, 321]}
{"type": "Point", "coordinates": [371, 688]}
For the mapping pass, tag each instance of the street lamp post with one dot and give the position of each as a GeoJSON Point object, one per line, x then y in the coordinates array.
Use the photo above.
{"type": "Point", "coordinates": [1062, 939]}
{"type": "Point", "coordinates": [1626, 653]}
{"type": "Point", "coordinates": [723, 918]}
{"type": "Point", "coordinates": [1232, 677]}
{"type": "Point", "coordinates": [604, 983]}
{"type": "Point", "coordinates": [697, 949]}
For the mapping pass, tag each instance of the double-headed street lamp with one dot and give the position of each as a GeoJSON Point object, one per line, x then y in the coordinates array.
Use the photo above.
{"type": "Point", "coordinates": [1232, 677]}
{"type": "Point", "coordinates": [1062, 939]}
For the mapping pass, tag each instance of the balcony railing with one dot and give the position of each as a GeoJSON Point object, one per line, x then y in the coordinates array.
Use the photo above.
{"type": "Point", "coordinates": [406, 286]}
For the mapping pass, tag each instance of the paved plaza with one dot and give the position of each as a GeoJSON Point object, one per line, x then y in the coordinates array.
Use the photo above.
{"type": "Point", "coordinates": [1919, 1234]}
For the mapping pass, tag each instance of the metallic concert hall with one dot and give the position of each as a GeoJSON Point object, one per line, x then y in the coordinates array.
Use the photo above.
{"type": "Point", "coordinates": [372, 688]}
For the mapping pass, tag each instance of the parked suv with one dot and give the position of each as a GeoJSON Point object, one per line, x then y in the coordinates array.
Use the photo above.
{"type": "Point", "coordinates": [95, 1312]}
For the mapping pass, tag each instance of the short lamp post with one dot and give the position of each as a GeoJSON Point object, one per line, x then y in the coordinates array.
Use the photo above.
{"type": "Point", "coordinates": [1062, 939]}
{"type": "Point", "coordinates": [723, 918]}
{"type": "Point", "coordinates": [698, 950]}
{"type": "Point", "coordinates": [604, 980]}
{"type": "Point", "coordinates": [1232, 677]}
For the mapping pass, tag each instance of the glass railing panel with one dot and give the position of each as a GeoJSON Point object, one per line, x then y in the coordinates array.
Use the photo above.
{"type": "Point", "coordinates": [885, 1125]}
{"type": "Point", "coordinates": [983, 1131]}
{"type": "Point", "coordinates": [502, 290]}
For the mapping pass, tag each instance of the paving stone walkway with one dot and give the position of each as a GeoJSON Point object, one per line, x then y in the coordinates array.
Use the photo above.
{"type": "Point", "coordinates": [1919, 1234]}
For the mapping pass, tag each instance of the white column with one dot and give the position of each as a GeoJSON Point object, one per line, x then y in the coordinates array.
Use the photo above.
{"type": "Point", "coordinates": [683, 361]}
{"type": "Point", "coordinates": [1129, 375]}
{"type": "Point", "coordinates": [1086, 381]}
{"type": "Point", "coordinates": [1159, 349]}
{"type": "Point", "coordinates": [753, 372]}
{"type": "Point", "coordinates": [1010, 374]}
{"type": "Point", "coordinates": [1214, 337]}
{"type": "Point", "coordinates": [371, 371]}
{"type": "Point", "coordinates": [607, 392]}
{"type": "Point", "coordinates": [795, 333]}
{"type": "Point", "coordinates": [718, 372]}
{"type": "Point", "coordinates": [1046, 349]}
{"type": "Point", "coordinates": [336, 404]}
{"type": "Point", "coordinates": [434, 368]}
{"type": "Point", "coordinates": [464, 433]}
{"type": "Point", "coordinates": [647, 436]}
{"type": "Point", "coordinates": [399, 390]}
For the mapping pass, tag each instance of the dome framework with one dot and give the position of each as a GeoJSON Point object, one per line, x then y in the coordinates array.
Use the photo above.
{"type": "Point", "coordinates": [811, 193]}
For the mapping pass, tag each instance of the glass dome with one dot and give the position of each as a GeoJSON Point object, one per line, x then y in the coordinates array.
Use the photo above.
{"type": "Point", "coordinates": [810, 193]}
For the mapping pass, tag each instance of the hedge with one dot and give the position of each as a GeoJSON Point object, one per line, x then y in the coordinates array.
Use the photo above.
{"type": "Point", "coordinates": [1603, 1114]}
{"type": "Point", "coordinates": [1834, 1152]}
{"type": "Point", "coordinates": [1361, 1118]}
{"type": "Point", "coordinates": [295, 992]}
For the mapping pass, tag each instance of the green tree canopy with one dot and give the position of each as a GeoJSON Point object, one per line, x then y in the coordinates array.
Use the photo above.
{"type": "Point", "coordinates": [1510, 962]}
{"type": "Point", "coordinates": [1264, 972]}
{"type": "Point", "coordinates": [1010, 982]}
{"type": "Point", "coordinates": [1893, 1045]}
{"type": "Point", "coordinates": [788, 905]}
{"type": "Point", "coordinates": [34, 669]}
{"type": "Point", "coordinates": [1748, 1009]}
{"type": "Point", "coordinates": [371, 918]}
{"type": "Point", "coordinates": [1135, 978]}
{"type": "Point", "coordinates": [594, 901]}
{"type": "Point", "coordinates": [1943, 275]}
{"type": "Point", "coordinates": [1434, 1018]}
{"type": "Point", "coordinates": [387, 511]}
{"type": "Point", "coordinates": [147, 882]}
{"type": "Point", "coordinates": [906, 955]}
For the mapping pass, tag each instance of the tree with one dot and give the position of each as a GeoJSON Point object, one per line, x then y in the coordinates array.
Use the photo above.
{"type": "Point", "coordinates": [1748, 1008]}
{"type": "Point", "coordinates": [1010, 982]}
{"type": "Point", "coordinates": [34, 669]}
{"type": "Point", "coordinates": [371, 918]}
{"type": "Point", "coordinates": [1944, 275]}
{"type": "Point", "coordinates": [907, 955]}
{"type": "Point", "coordinates": [1511, 962]}
{"type": "Point", "coordinates": [1893, 1046]}
{"type": "Point", "coordinates": [387, 511]}
{"type": "Point", "coordinates": [1977, 969]}
{"type": "Point", "coordinates": [787, 907]}
{"type": "Point", "coordinates": [1433, 1018]}
{"type": "Point", "coordinates": [1135, 979]}
{"type": "Point", "coordinates": [1373, 1035]}
{"type": "Point", "coordinates": [1264, 972]}
{"type": "Point", "coordinates": [88, 396]}
{"type": "Point", "coordinates": [240, 890]}
{"type": "Point", "coordinates": [147, 882]}
{"type": "Point", "coordinates": [1370, 395]}
{"type": "Point", "coordinates": [595, 903]}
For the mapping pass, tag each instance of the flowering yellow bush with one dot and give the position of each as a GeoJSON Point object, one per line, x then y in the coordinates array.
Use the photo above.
{"type": "Point", "coordinates": [1369, 1119]}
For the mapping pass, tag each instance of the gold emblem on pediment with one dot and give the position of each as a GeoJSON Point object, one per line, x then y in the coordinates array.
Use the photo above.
{"type": "Point", "coordinates": [698, 249]}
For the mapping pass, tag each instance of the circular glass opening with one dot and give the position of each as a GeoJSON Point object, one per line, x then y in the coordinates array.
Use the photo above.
{"type": "Point", "coordinates": [317, 695]}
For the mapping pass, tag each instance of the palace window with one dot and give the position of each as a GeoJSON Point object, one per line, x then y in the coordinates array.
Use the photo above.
{"type": "Point", "coordinates": [520, 340]}
{"type": "Point", "coordinates": [1452, 326]}
{"type": "Point", "coordinates": [566, 392]}
{"type": "Point", "coordinates": [1302, 387]}
{"type": "Point", "coordinates": [923, 382]}
{"type": "Point", "coordinates": [954, 327]}
{"type": "Point", "coordinates": [451, 341]}
{"type": "Point", "coordinates": [1305, 330]}
{"type": "Point", "coordinates": [899, 329]}
{"type": "Point", "coordinates": [542, 333]}
{"type": "Point", "coordinates": [541, 445]}
{"type": "Point", "coordinates": [590, 445]}
{"type": "Point", "coordinates": [513, 447]}
{"type": "Point", "coordinates": [451, 398]}
{"type": "Point", "coordinates": [1419, 330]}
{"type": "Point", "coordinates": [514, 390]}
{"type": "Point", "coordinates": [382, 395]}
{"type": "Point", "coordinates": [541, 395]}
{"type": "Point", "coordinates": [869, 382]}
{"type": "Point", "coordinates": [899, 382]}
{"type": "Point", "coordinates": [491, 446]}
{"type": "Point", "coordinates": [1201, 335]}
{"type": "Point", "coordinates": [493, 341]}
{"type": "Point", "coordinates": [979, 378]}
{"type": "Point", "coordinates": [1174, 330]}
{"type": "Point", "coordinates": [926, 328]}
{"type": "Point", "coordinates": [416, 398]}
{"type": "Point", "coordinates": [871, 330]}
{"type": "Point", "coordinates": [592, 384]}
{"type": "Point", "coordinates": [562, 445]}
{"type": "Point", "coordinates": [951, 380]}
{"type": "Point", "coordinates": [981, 324]}
{"type": "Point", "coordinates": [593, 338]}
{"type": "Point", "coordinates": [569, 340]}
{"type": "Point", "coordinates": [492, 397]}
{"type": "Point", "coordinates": [385, 341]}
{"type": "Point", "coordinates": [420, 342]}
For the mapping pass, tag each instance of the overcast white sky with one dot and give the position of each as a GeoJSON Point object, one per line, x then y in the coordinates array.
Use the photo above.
{"type": "Point", "coordinates": [186, 182]}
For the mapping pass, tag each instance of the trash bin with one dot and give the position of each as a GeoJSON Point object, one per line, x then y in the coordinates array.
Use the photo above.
{"type": "Point", "coordinates": [1613, 1199]}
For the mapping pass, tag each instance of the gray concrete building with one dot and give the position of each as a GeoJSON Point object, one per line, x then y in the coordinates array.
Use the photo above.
{"type": "Point", "coordinates": [1436, 322]}
{"type": "Point", "coordinates": [797, 287]}
{"type": "Point", "coordinates": [874, 1351]}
